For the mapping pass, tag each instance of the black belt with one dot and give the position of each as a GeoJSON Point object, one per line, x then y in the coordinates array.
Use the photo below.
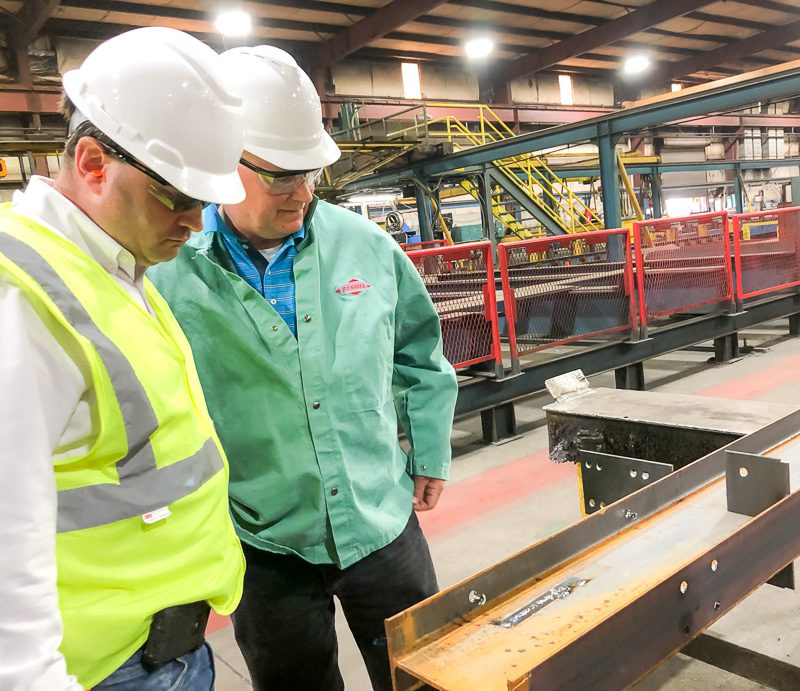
{"type": "Point", "coordinates": [175, 631]}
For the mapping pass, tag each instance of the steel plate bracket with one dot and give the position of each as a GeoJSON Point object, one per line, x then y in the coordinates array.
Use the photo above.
{"type": "Point", "coordinates": [606, 478]}
{"type": "Point", "coordinates": [754, 483]}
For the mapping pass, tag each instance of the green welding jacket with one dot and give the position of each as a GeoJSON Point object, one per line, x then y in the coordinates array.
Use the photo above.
{"type": "Point", "coordinates": [309, 424]}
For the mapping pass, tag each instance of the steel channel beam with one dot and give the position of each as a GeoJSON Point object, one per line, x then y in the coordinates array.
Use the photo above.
{"type": "Point", "coordinates": [766, 85]}
{"type": "Point", "coordinates": [613, 655]}
{"type": "Point", "coordinates": [658, 618]}
{"type": "Point", "coordinates": [480, 394]}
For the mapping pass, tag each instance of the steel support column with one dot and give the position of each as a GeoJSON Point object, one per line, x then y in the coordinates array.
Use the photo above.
{"type": "Point", "coordinates": [726, 347]}
{"type": "Point", "coordinates": [424, 212]}
{"type": "Point", "coordinates": [499, 424]}
{"type": "Point", "coordinates": [738, 190]}
{"type": "Point", "coordinates": [655, 187]}
{"type": "Point", "coordinates": [609, 179]}
{"type": "Point", "coordinates": [630, 377]}
{"type": "Point", "coordinates": [486, 193]}
{"type": "Point", "coordinates": [794, 324]}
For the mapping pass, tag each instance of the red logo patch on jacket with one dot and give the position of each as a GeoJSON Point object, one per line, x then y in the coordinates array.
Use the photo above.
{"type": "Point", "coordinates": [353, 287]}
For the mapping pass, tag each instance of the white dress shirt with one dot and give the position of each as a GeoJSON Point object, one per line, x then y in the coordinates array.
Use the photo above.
{"type": "Point", "coordinates": [45, 403]}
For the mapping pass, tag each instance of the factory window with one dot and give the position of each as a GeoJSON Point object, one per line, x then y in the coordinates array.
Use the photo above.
{"type": "Point", "coordinates": [565, 86]}
{"type": "Point", "coordinates": [411, 82]}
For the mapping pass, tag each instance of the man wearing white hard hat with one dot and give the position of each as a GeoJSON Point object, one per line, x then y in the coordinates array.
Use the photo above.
{"type": "Point", "coordinates": [113, 507]}
{"type": "Point", "coordinates": [314, 335]}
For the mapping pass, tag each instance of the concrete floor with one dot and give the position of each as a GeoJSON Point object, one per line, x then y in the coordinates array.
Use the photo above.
{"type": "Point", "coordinates": [501, 499]}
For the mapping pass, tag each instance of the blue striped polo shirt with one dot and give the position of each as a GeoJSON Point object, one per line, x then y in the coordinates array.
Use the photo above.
{"type": "Point", "coordinates": [274, 279]}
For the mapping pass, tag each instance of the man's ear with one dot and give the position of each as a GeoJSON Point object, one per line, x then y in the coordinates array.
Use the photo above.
{"type": "Point", "coordinates": [90, 163]}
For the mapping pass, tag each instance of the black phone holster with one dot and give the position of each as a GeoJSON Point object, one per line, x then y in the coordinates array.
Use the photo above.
{"type": "Point", "coordinates": [175, 631]}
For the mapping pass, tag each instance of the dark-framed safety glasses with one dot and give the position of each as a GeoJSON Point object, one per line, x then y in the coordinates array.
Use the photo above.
{"type": "Point", "coordinates": [284, 182]}
{"type": "Point", "coordinates": [175, 200]}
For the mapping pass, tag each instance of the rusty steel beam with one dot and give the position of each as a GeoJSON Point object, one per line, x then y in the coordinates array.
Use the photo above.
{"type": "Point", "coordinates": [733, 52]}
{"type": "Point", "coordinates": [32, 16]}
{"type": "Point", "coordinates": [610, 32]}
{"type": "Point", "coordinates": [603, 602]}
{"type": "Point", "coordinates": [29, 101]}
{"type": "Point", "coordinates": [376, 25]}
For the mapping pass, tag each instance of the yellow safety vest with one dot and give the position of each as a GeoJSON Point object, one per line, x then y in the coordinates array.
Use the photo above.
{"type": "Point", "coordinates": [156, 448]}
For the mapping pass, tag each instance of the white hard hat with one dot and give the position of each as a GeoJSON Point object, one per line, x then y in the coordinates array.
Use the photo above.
{"type": "Point", "coordinates": [162, 96]}
{"type": "Point", "coordinates": [282, 111]}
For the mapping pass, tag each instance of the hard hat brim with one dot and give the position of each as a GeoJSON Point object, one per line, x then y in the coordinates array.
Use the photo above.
{"type": "Point", "coordinates": [323, 154]}
{"type": "Point", "coordinates": [219, 189]}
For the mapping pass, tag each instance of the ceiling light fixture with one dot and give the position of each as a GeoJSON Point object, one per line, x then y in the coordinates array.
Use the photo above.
{"type": "Point", "coordinates": [478, 48]}
{"type": "Point", "coordinates": [233, 23]}
{"type": "Point", "coordinates": [636, 64]}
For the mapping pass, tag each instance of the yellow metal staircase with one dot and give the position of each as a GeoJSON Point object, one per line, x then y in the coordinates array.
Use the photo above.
{"type": "Point", "coordinates": [558, 206]}
{"type": "Point", "coordinates": [515, 229]}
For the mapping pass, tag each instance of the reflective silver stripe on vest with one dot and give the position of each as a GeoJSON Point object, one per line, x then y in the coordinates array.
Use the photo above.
{"type": "Point", "coordinates": [142, 486]}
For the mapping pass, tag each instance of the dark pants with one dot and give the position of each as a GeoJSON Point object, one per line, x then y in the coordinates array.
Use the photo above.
{"type": "Point", "coordinates": [285, 622]}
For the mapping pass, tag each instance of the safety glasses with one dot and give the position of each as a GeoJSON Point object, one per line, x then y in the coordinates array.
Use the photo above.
{"type": "Point", "coordinates": [175, 200]}
{"type": "Point", "coordinates": [286, 181]}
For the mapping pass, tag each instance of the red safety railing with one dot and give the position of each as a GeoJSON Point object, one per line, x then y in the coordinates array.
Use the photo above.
{"type": "Point", "coordinates": [427, 244]}
{"type": "Point", "coordinates": [682, 264]}
{"type": "Point", "coordinates": [565, 288]}
{"type": "Point", "coordinates": [460, 281]}
{"type": "Point", "coordinates": [767, 251]}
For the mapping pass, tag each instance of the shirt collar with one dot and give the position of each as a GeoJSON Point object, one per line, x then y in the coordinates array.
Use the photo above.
{"type": "Point", "coordinates": [214, 223]}
{"type": "Point", "coordinates": [41, 202]}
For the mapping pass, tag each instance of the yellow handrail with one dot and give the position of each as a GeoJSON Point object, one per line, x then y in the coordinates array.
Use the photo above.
{"type": "Point", "coordinates": [527, 171]}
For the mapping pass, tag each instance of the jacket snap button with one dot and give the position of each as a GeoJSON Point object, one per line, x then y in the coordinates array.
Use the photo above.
{"type": "Point", "coordinates": [334, 492]}
{"type": "Point", "coordinates": [274, 328]}
{"type": "Point", "coordinates": [315, 405]}
{"type": "Point", "coordinates": [307, 318]}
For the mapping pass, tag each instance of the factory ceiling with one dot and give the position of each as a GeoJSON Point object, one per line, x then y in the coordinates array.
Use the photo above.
{"type": "Point", "coordinates": [687, 40]}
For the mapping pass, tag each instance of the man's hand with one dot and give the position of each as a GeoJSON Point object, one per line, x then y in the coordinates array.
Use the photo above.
{"type": "Point", "coordinates": [427, 491]}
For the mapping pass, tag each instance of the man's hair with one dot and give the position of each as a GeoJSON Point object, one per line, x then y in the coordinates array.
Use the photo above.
{"type": "Point", "coordinates": [84, 129]}
{"type": "Point", "coordinates": [67, 108]}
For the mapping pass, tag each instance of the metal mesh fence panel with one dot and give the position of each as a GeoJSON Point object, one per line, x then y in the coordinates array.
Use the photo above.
{"type": "Point", "coordinates": [682, 264]}
{"type": "Point", "coordinates": [460, 281]}
{"type": "Point", "coordinates": [566, 288]}
{"type": "Point", "coordinates": [767, 251]}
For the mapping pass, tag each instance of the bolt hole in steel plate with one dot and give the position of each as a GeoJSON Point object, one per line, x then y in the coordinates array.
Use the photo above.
{"type": "Point", "coordinates": [619, 477]}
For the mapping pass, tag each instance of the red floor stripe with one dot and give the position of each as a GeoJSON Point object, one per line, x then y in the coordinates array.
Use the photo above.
{"type": "Point", "coordinates": [470, 499]}
{"type": "Point", "coordinates": [751, 386]}
{"type": "Point", "coordinates": [217, 622]}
